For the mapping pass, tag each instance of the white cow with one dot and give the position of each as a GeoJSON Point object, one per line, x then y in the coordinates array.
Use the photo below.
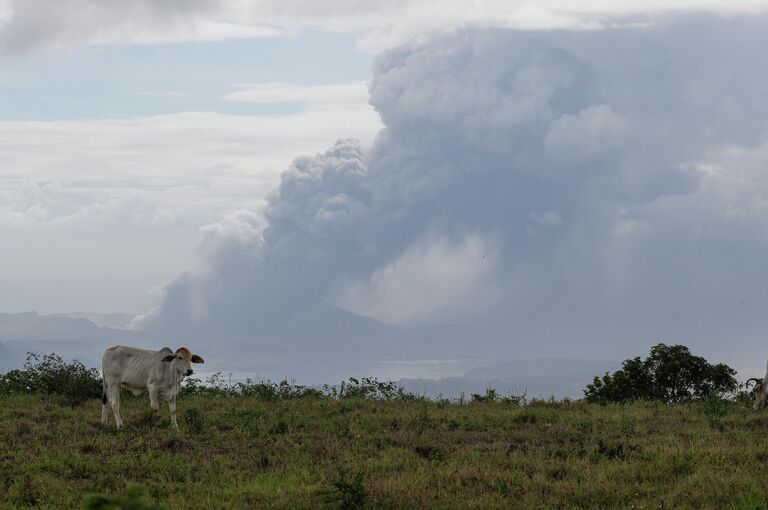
{"type": "Point", "coordinates": [160, 372]}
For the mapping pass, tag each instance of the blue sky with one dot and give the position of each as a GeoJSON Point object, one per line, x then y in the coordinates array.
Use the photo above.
{"type": "Point", "coordinates": [138, 80]}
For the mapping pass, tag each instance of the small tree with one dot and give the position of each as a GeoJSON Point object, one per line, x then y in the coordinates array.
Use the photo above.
{"type": "Point", "coordinates": [670, 374]}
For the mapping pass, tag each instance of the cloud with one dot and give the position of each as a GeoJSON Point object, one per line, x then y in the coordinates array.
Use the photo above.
{"type": "Point", "coordinates": [250, 267]}
{"type": "Point", "coordinates": [183, 168]}
{"type": "Point", "coordinates": [29, 25]}
{"type": "Point", "coordinates": [112, 207]}
{"type": "Point", "coordinates": [432, 282]}
{"type": "Point", "coordinates": [594, 130]}
{"type": "Point", "coordinates": [614, 177]}
{"type": "Point", "coordinates": [316, 95]}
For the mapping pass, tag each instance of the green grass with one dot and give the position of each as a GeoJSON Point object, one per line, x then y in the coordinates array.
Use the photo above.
{"type": "Point", "coordinates": [242, 452]}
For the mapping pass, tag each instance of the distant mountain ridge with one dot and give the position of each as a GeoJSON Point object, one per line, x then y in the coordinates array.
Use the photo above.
{"type": "Point", "coordinates": [31, 326]}
{"type": "Point", "coordinates": [104, 320]}
{"type": "Point", "coordinates": [315, 345]}
{"type": "Point", "coordinates": [71, 337]}
{"type": "Point", "coordinates": [537, 378]}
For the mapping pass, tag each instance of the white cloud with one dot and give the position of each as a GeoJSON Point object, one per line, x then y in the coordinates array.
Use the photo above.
{"type": "Point", "coordinates": [191, 31]}
{"type": "Point", "coordinates": [185, 168]}
{"type": "Point", "coordinates": [6, 11]}
{"type": "Point", "coordinates": [43, 24]}
{"type": "Point", "coordinates": [111, 207]}
{"type": "Point", "coordinates": [433, 281]}
{"type": "Point", "coordinates": [549, 219]}
{"type": "Point", "coordinates": [316, 95]}
{"type": "Point", "coordinates": [594, 130]}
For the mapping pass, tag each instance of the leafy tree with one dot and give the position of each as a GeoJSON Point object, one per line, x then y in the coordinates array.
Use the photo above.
{"type": "Point", "coordinates": [51, 375]}
{"type": "Point", "coordinates": [670, 374]}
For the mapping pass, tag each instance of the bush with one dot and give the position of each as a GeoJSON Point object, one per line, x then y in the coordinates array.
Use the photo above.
{"type": "Point", "coordinates": [493, 396]}
{"type": "Point", "coordinates": [217, 385]}
{"type": "Point", "coordinates": [367, 388]}
{"type": "Point", "coordinates": [194, 420]}
{"type": "Point", "coordinates": [51, 375]}
{"type": "Point", "coordinates": [347, 492]}
{"type": "Point", "coordinates": [670, 374]}
{"type": "Point", "coordinates": [370, 388]}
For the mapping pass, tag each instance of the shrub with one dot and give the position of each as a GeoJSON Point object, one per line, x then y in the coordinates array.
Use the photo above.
{"type": "Point", "coordinates": [51, 375]}
{"type": "Point", "coordinates": [367, 388]}
{"type": "Point", "coordinates": [670, 374]}
{"type": "Point", "coordinates": [370, 388]}
{"type": "Point", "coordinates": [428, 451]}
{"type": "Point", "coordinates": [490, 396]}
{"type": "Point", "coordinates": [194, 420]}
{"type": "Point", "coordinates": [348, 492]}
{"type": "Point", "coordinates": [493, 396]}
{"type": "Point", "coordinates": [217, 385]}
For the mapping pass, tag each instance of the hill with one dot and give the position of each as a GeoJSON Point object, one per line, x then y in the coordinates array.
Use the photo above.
{"type": "Point", "coordinates": [246, 452]}
{"type": "Point", "coordinates": [72, 337]}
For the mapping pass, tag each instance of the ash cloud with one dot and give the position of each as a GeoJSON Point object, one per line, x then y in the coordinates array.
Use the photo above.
{"type": "Point", "coordinates": [577, 192]}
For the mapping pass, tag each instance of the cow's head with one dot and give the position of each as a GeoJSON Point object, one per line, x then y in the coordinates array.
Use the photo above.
{"type": "Point", "coordinates": [182, 360]}
{"type": "Point", "coordinates": [758, 392]}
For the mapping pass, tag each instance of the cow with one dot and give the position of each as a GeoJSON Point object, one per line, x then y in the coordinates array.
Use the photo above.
{"type": "Point", "coordinates": [759, 392]}
{"type": "Point", "coordinates": [160, 372]}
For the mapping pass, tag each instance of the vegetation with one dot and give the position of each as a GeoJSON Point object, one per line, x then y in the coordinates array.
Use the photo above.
{"type": "Point", "coordinates": [370, 445]}
{"type": "Point", "coordinates": [365, 388]}
{"type": "Point", "coordinates": [134, 498]}
{"type": "Point", "coordinates": [670, 374]}
{"type": "Point", "coordinates": [246, 452]}
{"type": "Point", "coordinates": [73, 382]}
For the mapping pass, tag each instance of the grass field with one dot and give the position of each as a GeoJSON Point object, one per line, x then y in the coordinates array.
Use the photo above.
{"type": "Point", "coordinates": [243, 452]}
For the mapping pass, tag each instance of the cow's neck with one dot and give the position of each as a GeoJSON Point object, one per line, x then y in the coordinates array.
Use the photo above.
{"type": "Point", "coordinates": [175, 376]}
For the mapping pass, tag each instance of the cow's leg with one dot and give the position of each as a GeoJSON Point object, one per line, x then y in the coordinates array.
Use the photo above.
{"type": "Point", "coordinates": [104, 407]}
{"type": "Point", "coordinates": [172, 409]}
{"type": "Point", "coordinates": [113, 397]}
{"type": "Point", "coordinates": [154, 393]}
{"type": "Point", "coordinates": [154, 402]}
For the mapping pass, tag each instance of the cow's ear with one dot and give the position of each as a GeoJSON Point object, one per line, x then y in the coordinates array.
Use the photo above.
{"type": "Point", "coordinates": [197, 359]}
{"type": "Point", "coordinates": [168, 358]}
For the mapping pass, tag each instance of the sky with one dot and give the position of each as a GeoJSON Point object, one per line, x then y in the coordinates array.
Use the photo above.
{"type": "Point", "coordinates": [114, 157]}
{"type": "Point", "coordinates": [541, 178]}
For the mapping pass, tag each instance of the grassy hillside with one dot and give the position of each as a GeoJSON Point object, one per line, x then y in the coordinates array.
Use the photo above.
{"type": "Point", "coordinates": [244, 452]}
